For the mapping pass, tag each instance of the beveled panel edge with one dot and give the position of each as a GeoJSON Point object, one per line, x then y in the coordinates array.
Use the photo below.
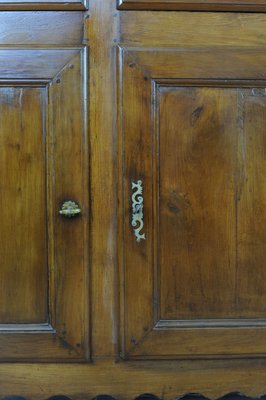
{"type": "Point", "coordinates": [211, 323]}
{"type": "Point", "coordinates": [24, 82]}
{"type": "Point", "coordinates": [34, 64]}
{"type": "Point", "coordinates": [179, 5]}
{"type": "Point", "coordinates": [30, 328]}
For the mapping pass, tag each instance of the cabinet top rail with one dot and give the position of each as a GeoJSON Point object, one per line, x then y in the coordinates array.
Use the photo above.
{"type": "Point", "coordinates": [206, 5]}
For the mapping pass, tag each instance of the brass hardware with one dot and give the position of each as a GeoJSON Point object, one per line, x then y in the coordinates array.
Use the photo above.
{"type": "Point", "coordinates": [137, 210]}
{"type": "Point", "coordinates": [70, 209]}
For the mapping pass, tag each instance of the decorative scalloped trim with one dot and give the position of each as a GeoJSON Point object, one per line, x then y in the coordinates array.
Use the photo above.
{"type": "Point", "coordinates": [148, 396]}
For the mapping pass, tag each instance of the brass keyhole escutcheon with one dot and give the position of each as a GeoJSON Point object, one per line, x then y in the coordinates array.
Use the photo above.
{"type": "Point", "coordinates": [70, 209]}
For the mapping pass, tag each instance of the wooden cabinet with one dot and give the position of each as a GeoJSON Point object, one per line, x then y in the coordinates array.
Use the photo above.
{"type": "Point", "coordinates": [149, 117]}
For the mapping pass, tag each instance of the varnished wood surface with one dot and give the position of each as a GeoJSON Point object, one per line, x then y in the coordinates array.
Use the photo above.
{"type": "Point", "coordinates": [166, 379]}
{"type": "Point", "coordinates": [123, 379]}
{"type": "Point", "coordinates": [196, 202]}
{"type": "Point", "coordinates": [103, 31]}
{"type": "Point", "coordinates": [69, 174]}
{"type": "Point", "coordinates": [23, 273]}
{"type": "Point", "coordinates": [251, 202]}
{"type": "Point", "coordinates": [41, 28]}
{"type": "Point", "coordinates": [222, 277]}
{"type": "Point", "coordinates": [45, 257]}
{"type": "Point", "coordinates": [207, 5]}
{"type": "Point", "coordinates": [33, 64]}
{"type": "Point", "coordinates": [144, 29]}
{"type": "Point", "coordinates": [190, 156]}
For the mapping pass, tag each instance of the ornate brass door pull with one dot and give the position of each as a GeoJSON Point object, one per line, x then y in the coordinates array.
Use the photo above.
{"type": "Point", "coordinates": [70, 209]}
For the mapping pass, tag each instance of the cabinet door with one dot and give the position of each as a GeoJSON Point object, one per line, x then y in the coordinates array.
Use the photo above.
{"type": "Point", "coordinates": [42, 164]}
{"type": "Point", "coordinates": [193, 218]}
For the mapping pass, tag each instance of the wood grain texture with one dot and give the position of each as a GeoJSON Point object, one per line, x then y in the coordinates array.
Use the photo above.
{"type": "Point", "coordinates": [102, 30]}
{"type": "Point", "coordinates": [123, 380]}
{"type": "Point", "coordinates": [187, 163]}
{"type": "Point", "coordinates": [49, 166]}
{"type": "Point", "coordinates": [136, 160]}
{"type": "Point", "coordinates": [30, 64]}
{"type": "Point", "coordinates": [194, 5]}
{"type": "Point", "coordinates": [166, 379]}
{"type": "Point", "coordinates": [69, 169]}
{"type": "Point", "coordinates": [196, 202]}
{"type": "Point", "coordinates": [236, 286]}
{"type": "Point", "coordinates": [251, 199]}
{"type": "Point", "coordinates": [144, 29]}
{"type": "Point", "coordinates": [23, 254]}
{"type": "Point", "coordinates": [41, 28]}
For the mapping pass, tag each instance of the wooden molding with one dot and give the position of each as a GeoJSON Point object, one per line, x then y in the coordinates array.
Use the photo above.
{"type": "Point", "coordinates": [43, 5]}
{"type": "Point", "coordinates": [181, 5]}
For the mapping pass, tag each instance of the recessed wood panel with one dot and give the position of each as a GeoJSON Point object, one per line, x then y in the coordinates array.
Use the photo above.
{"type": "Point", "coordinates": [211, 5]}
{"type": "Point", "coordinates": [190, 139]}
{"type": "Point", "coordinates": [208, 246]}
{"type": "Point", "coordinates": [196, 222]}
{"type": "Point", "coordinates": [23, 272]}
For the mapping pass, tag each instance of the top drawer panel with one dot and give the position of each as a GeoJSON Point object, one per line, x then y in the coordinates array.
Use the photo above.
{"type": "Point", "coordinates": [36, 5]}
{"type": "Point", "coordinates": [205, 5]}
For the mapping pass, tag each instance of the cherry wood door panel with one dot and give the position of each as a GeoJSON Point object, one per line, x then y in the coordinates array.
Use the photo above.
{"type": "Point", "coordinates": [192, 130]}
{"type": "Point", "coordinates": [211, 5]}
{"type": "Point", "coordinates": [43, 162]}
